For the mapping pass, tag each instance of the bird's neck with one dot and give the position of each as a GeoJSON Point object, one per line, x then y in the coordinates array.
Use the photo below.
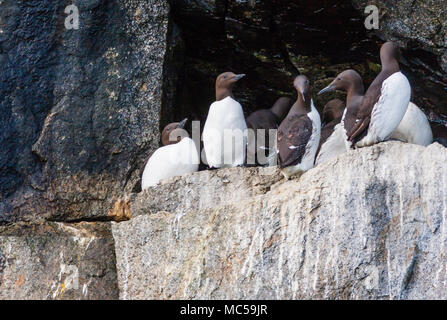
{"type": "Point", "coordinates": [222, 93]}
{"type": "Point", "coordinates": [390, 65]}
{"type": "Point", "coordinates": [301, 106]}
{"type": "Point", "coordinates": [354, 91]}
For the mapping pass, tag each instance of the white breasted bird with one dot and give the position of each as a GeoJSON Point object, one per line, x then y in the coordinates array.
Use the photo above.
{"type": "Point", "coordinates": [177, 157]}
{"type": "Point", "coordinates": [224, 134]}
{"type": "Point", "coordinates": [385, 102]}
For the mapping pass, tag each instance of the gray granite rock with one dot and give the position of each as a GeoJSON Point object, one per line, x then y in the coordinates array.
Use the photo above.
{"type": "Point", "coordinates": [422, 22]}
{"type": "Point", "coordinates": [202, 190]}
{"type": "Point", "coordinates": [57, 261]}
{"type": "Point", "coordinates": [370, 224]}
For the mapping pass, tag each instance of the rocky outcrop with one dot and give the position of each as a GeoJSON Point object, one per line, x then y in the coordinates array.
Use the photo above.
{"type": "Point", "coordinates": [370, 224]}
{"type": "Point", "coordinates": [203, 190]}
{"type": "Point", "coordinates": [80, 109]}
{"type": "Point", "coordinates": [57, 261]}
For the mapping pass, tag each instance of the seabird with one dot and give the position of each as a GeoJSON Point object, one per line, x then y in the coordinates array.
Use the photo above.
{"type": "Point", "coordinates": [299, 133]}
{"type": "Point", "coordinates": [266, 120]}
{"type": "Point", "coordinates": [385, 102]}
{"type": "Point", "coordinates": [178, 156]}
{"type": "Point", "coordinates": [351, 82]}
{"type": "Point", "coordinates": [332, 139]}
{"type": "Point", "coordinates": [413, 128]}
{"type": "Point", "coordinates": [224, 134]}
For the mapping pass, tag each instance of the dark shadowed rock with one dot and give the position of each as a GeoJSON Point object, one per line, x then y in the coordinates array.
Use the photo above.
{"type": "Point", "coordinates": [272, 41]}
{"type": "Point", "coordinates": [80, 109]}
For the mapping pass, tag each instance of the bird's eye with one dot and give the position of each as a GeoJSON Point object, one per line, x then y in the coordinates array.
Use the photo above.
{"type": "Point", "coordinates": [339, 79]}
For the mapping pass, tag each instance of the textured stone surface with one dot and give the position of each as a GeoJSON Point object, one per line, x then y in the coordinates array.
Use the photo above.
{"type": "Point", "coordinates": [370, 224]}
{"type": "Point", "coordinates": [79, 109]}
{"type": "Point", "coordinates": [80, 112]}
{"type": "Point", "coordinates": [420, 21]}
{"type": "Point", "coordinates": [57, 261]}
{"type": "Point", "coordinates": [205, 189]}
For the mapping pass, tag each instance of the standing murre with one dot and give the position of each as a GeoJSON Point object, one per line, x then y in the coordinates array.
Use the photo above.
{"type": "Point", "coordinates": [224, 134]}
{"type": "Point", "coordinates": [331, 142]}
{"type": "Point", "coordinates": [178, 156]}
{"type": "Point", "coordinates": [385, 102]}
{"type": "Point", "coordinates": [351, 82]}
{"type": "Point", "coordinates": [266, 120]}
{"type": "Point", "coordinates": [299, 133]}
{"type": "Point", "coordinates": [413, 128]}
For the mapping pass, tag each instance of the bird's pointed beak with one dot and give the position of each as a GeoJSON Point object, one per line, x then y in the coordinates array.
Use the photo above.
{"type": "Point", "coordinates": [303, 94]}
{"type": "Point", "coordinates": [182, 124]}
{"type": "Point", "coordinates": [238, 77]}
{"type": "Point", "coordinates": [329, 88]}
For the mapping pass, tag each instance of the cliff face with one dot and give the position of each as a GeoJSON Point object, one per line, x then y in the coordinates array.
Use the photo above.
{"type": "Point", "coordinates": [81, 110]}
{"type": "Point", "coordinates": [371, 224]}
{"type": "Point", "coordinates": [57, 261]}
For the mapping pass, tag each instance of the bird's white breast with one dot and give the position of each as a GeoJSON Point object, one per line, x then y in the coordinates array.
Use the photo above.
{"type": "Point", "coordinates": [333, 146]}
{"type": "Point", "coordinates": [414, 127]}
{"type": "Point", "coordinates": [225, 117]}
{"type": "Point", "coordinates": [344, 133]}
{"type": "Point", "coordinates": [389, 111]}
{"type": "Point", "coordinates": [170, 161]}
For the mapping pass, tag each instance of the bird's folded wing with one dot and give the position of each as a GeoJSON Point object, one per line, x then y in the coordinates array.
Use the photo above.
{"type": "Point", "coordinates": [293, 138]}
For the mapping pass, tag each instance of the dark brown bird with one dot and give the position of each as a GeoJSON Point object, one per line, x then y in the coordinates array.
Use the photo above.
{"type": "Point", "coordinates": [176, 157]}
{"type": "Point", "coordinates": [167, 131]}
{"type": "Point", "coordinates": [266, 120]}
{"type": "Point", "coordinates": [299, 133]}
